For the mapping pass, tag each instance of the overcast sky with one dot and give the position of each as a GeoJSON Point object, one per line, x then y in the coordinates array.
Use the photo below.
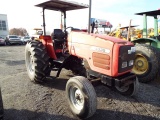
{"type": "Point", "coordinates": [23, 13]}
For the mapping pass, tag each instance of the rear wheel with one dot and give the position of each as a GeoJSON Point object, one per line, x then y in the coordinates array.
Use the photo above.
{"type": "Point", "coordinates": [81, 97]}
{"type": "Point", "coordinates": [37, 61]}
{"type": "Point", "coordinates": [146, 63]}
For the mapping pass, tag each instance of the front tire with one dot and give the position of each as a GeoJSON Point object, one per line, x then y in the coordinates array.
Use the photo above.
{"type": "Point", "coordinates": [37, 61]}
{"type": "Point", "coordinates": [81, 97]}
{"type": "Point", "coordinates": [146, 63]}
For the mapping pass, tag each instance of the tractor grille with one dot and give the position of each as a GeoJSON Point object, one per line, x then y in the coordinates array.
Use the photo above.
{"type": "Point", "coordinates": [125, 55]}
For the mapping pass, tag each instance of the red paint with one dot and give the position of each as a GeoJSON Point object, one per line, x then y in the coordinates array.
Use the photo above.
{"type": "Point", "coordinates": [81, 43]}
{"type": "Point", "coordinates": [47, 41]}
{"type": "Point", "coordinates": [84, 30]}
{"type": "Point", "coordinates": [115, 61]}
{"type": "Point", "coordinates": [58, 50]}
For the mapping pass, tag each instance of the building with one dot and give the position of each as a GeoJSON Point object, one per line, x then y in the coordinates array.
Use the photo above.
{"type": "Point", "coordinates": [3, 25]}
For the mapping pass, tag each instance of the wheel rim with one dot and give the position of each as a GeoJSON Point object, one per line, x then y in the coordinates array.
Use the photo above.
{"type": "Point", "coordinates": [140, 65]}
{"type": "Point", "coordinates": [76, 98]}
{"type": "Point", "coordinates": [30, 63]}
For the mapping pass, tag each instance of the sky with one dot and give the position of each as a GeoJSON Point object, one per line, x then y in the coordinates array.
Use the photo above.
{"type": "Point", "coordinates": [23, 13]}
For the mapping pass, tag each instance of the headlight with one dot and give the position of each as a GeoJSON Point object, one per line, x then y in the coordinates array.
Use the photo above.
{"type": "Point", "coordinates": [124, 64]}
{"type": "Point", "coordinates": [131, 62]}
{"type": "Point", "coordinates": [133, 49]}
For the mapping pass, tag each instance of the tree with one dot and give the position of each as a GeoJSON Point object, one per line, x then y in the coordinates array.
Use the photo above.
{"type": "Point", "coordinates": [18, 31]}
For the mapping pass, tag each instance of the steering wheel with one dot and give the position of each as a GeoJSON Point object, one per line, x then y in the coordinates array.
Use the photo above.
{"type": "Point", "coordinates": [67, 28]}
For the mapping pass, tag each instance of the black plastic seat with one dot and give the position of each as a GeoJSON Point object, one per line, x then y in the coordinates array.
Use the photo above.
{"type": "Point", "coordinates": [59, 38]}
{"type": "Point", "coordinates": [58, 35]}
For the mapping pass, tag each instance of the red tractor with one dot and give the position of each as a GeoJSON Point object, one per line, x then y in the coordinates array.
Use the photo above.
{"type": "Point", "coordinates": [89, 56]}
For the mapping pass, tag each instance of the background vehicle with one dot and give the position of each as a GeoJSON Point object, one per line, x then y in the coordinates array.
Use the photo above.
{"type": "Point", "coordinates": [147, 59]}
{"type": "Point", "coordinates": [37, 33]}
{"type": "Point", "coordinates": [100, 23]}
{"type": "Point", "coordinates": [91, 57]}
{"type": "Point", "coordinates": [13, 39]}
{"type": "Point", "coordinates": [2, 41]}
{"type": "Point", "coordinates": [26, 39]}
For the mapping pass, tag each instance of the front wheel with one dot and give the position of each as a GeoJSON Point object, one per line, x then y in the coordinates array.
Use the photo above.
{"type": "Point", "coordinates": [129, 90]}
{"type": "Point", "coordinates": [81, 97]}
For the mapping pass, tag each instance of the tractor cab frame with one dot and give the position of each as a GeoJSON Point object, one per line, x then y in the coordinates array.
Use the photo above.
{"type": "Point", "coordinates": [59, 36]}
{"type": "Point", "coordinates": [63, 7]}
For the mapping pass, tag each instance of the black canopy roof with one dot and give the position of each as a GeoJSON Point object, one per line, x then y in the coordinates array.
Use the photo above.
{"type": "Point", "coordinates": [62, 5]}
{"type": "Point", "coordinates": [150, 13]}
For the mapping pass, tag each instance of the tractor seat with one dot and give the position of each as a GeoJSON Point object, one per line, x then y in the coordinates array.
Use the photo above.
{"type": "Point", "coordinates": [58, 35]}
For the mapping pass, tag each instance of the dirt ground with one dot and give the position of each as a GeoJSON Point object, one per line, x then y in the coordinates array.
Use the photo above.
{"type": "Point", "coordinates": [24, 100]}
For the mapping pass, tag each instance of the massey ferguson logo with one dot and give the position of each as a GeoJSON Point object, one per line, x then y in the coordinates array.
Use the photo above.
{"type": "Point", "coordinates": [102, 50]}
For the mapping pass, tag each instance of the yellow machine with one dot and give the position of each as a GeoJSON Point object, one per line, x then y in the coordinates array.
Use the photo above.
{"type": "Point", "coordinates": [150, 32]}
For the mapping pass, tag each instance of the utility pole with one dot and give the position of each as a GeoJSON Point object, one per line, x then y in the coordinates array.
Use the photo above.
{"type": "Point", "coordinates": [89, 22]}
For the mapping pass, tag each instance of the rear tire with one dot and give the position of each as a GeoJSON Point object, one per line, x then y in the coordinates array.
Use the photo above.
{"type": "Point", "coordinates": [81, 97]}
{"type": "Point", "coordinates": [37, 61]}
{"type": "Point", "coordinates": [146, 63]}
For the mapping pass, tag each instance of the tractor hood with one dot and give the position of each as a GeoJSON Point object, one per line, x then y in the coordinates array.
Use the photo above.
{"type": "Point", "coordinates": [102, 52]}
{"type": "Point", "coordinates": [95, 39]}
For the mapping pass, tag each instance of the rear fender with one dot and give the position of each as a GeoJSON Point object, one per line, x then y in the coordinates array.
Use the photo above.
{"type": "Point", "coordinates": [149, 41]}
{"type": "Point", "coordinates": [47, 41]}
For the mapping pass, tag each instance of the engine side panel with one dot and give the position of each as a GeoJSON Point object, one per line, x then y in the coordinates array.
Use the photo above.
{"type": "Point", "coordinates": [101, 53]}
{"type": "Point", "coordinates": [97, 51]}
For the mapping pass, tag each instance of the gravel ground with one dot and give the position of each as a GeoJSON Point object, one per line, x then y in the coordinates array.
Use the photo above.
{"type": "Point", "coordinates": [24, 100]}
